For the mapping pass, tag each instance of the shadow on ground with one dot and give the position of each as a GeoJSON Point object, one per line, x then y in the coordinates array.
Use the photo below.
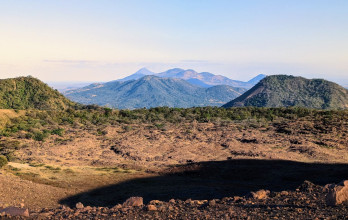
{"type": "Point", "coordinates": [208, 180]}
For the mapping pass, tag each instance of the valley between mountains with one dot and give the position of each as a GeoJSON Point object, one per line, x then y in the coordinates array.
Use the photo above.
{"type": "Point", "coordinates": [62, 159]}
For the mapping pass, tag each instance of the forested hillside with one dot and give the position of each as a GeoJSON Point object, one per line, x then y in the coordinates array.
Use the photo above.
{"type": "Point", "coordinates": [28, 92]}
{"type": "Point", "coordinates": [284, 91]}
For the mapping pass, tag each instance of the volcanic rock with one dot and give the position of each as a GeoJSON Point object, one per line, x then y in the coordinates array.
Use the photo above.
{"type": "Point", "coordinates": [79, 205]}
{"type": "Point", "coordinates": [337, 193]}
{"type": "Point", "coordinates": [134, 201]}
{"type": "Point", "coordinates": [261, 194]}
{"type": "Point", "coordinates": [212, 203]}
{"type": "Point", "coordinates": [151, 208]}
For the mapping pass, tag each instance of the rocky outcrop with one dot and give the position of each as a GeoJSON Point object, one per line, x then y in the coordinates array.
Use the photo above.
{"type": "Point", "coordinates": [261, 194]}
{"type": "Point", "coordinates": [337, 193]}
{"type": "Point", "coordinates": [133, 201]}
{"type": "Point", "coordinates": [151, 207]}
{"type": "Point", "coordinates": [79, 205]}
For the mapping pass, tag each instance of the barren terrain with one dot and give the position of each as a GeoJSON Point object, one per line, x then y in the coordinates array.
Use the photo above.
{"type": "Point", "coordinates": [187, 160]}
{"type": "Point", "coordinates": [148, 148]}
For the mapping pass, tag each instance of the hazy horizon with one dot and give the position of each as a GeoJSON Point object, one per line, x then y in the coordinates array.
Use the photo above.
{"type": "Point", "coordinates": [58, 84]}
{"type": "Point", "coordinates": [89, 41]}
{"type": "Point", "coordinates": [66, 83]}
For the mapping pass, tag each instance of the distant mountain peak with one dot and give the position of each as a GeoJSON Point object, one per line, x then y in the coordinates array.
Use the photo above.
{"type": "Point", "coordinates": [204, 79]}
{"type": "Point", "coordinates": [144, 71]}
{"type": "Point", "coordinates": [137, 75]}
{"type": "Point", "coordinates": [176, 69]}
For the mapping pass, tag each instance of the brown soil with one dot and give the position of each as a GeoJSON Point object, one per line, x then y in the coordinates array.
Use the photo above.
{"type": "Point", "coordinates": [144, 147]}
{"type": "Point", "coordinates": [41, 185]}
{"type": "Point", "coordinates": [185, 161]}
{"type": "Point", "coordinates": [15, 191]}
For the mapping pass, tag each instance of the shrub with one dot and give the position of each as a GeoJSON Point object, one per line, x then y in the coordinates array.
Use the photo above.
{"type": "Point", "coordinates": [160, 126]}
{"type": "Point", "coordinates": [28, 135]}
{"type": "Point", "coordinates": [58, 131]}
{"type": "Point", "coordinates": [101, 132]}
{"type": "Point", "coordinates": [40, 136]}
{"type": "Point", "coordinates": [3, 161]}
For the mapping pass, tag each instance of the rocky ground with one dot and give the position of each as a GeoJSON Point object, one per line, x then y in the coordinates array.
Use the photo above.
{"type": "Point", "coordinates": [143, 146]}
{"type": "Point", "coordinates": [196, 170]}
{"type": "Point", "coordinates": [306, 202]}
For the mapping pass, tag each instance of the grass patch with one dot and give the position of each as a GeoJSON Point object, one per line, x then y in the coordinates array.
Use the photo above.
{"type": "Point", "coordinates": [68, 171]}
{"type": "Point", "coordinates": [36, 164]}
{"type": "Point", "coordinates": [14, 169]}
{"type": "Point", "coordinates": [28, 175]}
{"type": "Point", "coordinates": [114, 170]}
{"type": "Point", "coordinates": [53, 168]}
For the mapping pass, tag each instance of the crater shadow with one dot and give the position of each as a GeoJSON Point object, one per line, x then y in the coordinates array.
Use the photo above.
{"type": "Point", "coordinates": [214, 180]}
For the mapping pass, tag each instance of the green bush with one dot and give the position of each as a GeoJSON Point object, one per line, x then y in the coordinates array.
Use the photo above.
{"type": "Point", "coordinates": [40, 136]}
{"type": "Point", "coordinates": [3, 161]}
{"type": "Point", "coordinates": [58, 131]}
{"type": "Point", "coordinates": [28, 135]}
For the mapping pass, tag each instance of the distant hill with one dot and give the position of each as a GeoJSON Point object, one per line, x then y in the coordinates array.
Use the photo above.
{"type": "Point", "coordinates": [283, 91]}
{"type": "Point", "coordinates": [30, 93]}
{"type": "Point", "coordinates": [153, 91]}
{"type": "Point", "coordinates": [203, 79]}
{"type": "Point", "coordinates": [65, 86]}
{"type": "Point", "coordinates": [139, 74]}
{"type": "Point", "coordinates": [207, 78]}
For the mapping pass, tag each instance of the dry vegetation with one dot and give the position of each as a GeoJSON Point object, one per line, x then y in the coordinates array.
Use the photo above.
{"type": "Point", "coordinates": [147, 146]}
{"type": "Point", "coordinates": [54, 155]}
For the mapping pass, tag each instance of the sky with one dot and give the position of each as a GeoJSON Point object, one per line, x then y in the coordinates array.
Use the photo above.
{"type": "Point", "coordinates": [85, 40]}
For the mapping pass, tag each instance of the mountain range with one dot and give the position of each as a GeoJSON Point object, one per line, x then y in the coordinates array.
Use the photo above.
{"type": "Point", "coordinates": [285, 91]}
{"type": "Point", "coordinates": [203, 79]}
{"type": "Point", "coordinates": [152, 91]}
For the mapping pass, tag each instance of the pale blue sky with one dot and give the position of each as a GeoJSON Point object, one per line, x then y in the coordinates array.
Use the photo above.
{"type": "Point", "coordinates": [83, 40]}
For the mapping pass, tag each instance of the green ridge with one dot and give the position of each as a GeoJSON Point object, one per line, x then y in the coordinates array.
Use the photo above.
{"type": "Point", "coordinates": [30, 93]}
{"type": "Point", "coordinates": [285, 91]}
